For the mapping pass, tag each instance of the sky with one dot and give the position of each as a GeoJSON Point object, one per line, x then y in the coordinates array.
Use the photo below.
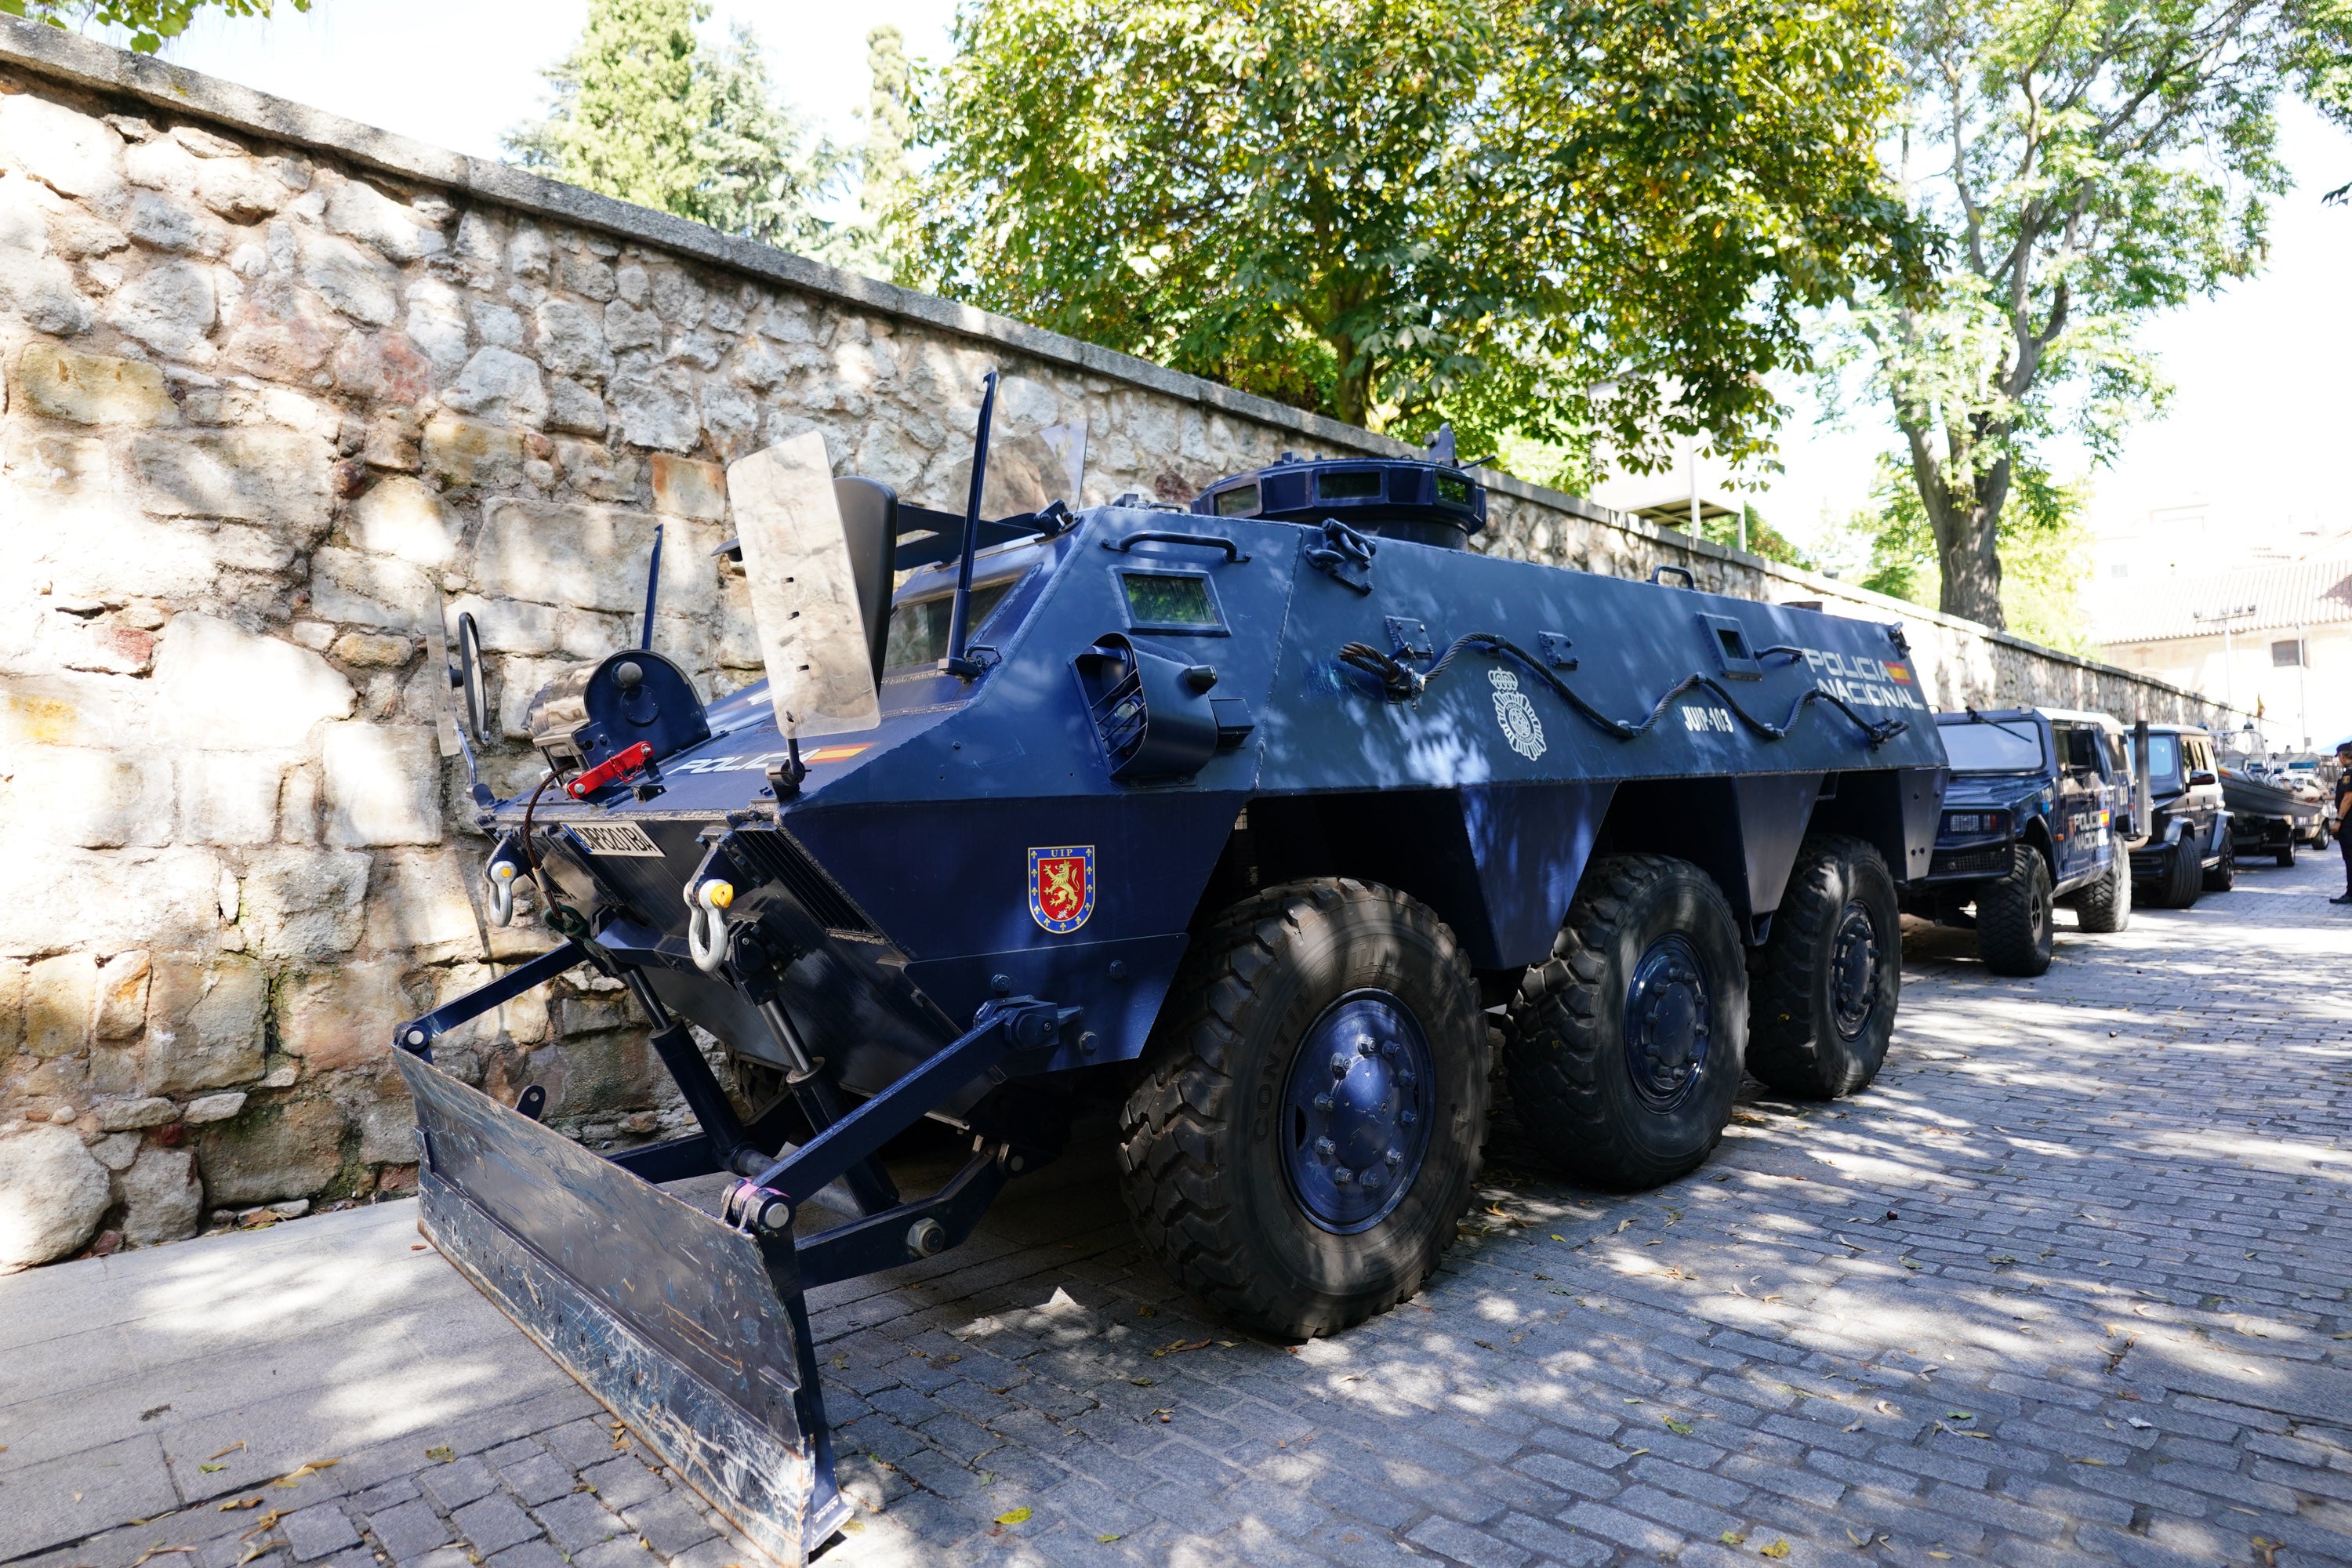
{"type": "Point", "coordinates": [2257, 431]}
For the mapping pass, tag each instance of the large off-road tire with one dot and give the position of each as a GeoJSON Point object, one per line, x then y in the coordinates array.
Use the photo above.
{"type": "Point", "coordinates": [1625, 1045]}
{"type": "Point", "coordinates": [2182, 879]}
{"type": "Point", "coordinates": [2016, 916]}
{"type": "Point", "coordinates": [1824, 989]}
{"type": "Point", "coordinates": [2103, 907]}
{"type": "Point", "coordinates": [2224, 873]}
{"type": "Point", "coordinates": [1235, 1142]}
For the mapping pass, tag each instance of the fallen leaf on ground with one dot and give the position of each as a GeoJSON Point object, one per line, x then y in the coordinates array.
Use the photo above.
{"type": "Point", "coordinates": [1620, 1226]}
{"type": "Point", "coordinates": [237, 1505]}
{"type": "Point", "coordinates": [232, 1448]}
{"type": "Point", "coordinates": [1147, 1312]}
{"type": "Point", "coordinates": [267, 1521]}
{"type": "Point", "coordinates": [442, 1454]}
{"type": "Point", "coordinates": [1143, 1382]}
{"type": "Point", "coordinates": [1857, 1540]}
{"type": "Point", "coordinates": [1013, 1516]}
{"type": "Point", "coordinates": [296, 1474]}
{"type": "Point", "coordinates": [1563, 1238]}
{"type": "Point", "coordinates": [1107, 1539]}
{"type": "Point", "coordinates": [1732, 1538]}
{"type": "Point", "coordinates": [1682, 1427]}
{"type": "Point", "coordinates": [1778, 1549]}
{"type": "Point", "coordinates": [1165, 1416]}
{"type": "Point", "coordinates": [1179, 1347]}
{"type": "Point", "coordinates": [158, 1552]}
{"type": "Point", "coordinates": [1941, 1556]}
{"type": "Point", "coordinates": [2100, 1462]}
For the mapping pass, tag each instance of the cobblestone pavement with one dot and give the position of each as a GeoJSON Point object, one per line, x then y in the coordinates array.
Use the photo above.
{"type": "Point", "coordinates": [2067, 1285]}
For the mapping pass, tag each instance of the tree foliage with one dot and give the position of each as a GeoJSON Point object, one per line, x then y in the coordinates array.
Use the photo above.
{"type": "Point", "coordinates": [643, 109]}
{"type": "Point", "coordinates": [148, 23]}
{"type": "Point", "coordinates": [2085, 167]}
{"type": "Point", "coordinates": [1549, 217]}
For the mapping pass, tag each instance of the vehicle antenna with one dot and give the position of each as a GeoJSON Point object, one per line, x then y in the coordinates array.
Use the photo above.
{"type": "Point", "coordinates": [653, 589]}
{"type": "Point", "coordinates": [959, 620]}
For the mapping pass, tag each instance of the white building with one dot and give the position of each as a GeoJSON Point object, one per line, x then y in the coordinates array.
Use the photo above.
{"type": "Point", "coordinates": [2274, 639]}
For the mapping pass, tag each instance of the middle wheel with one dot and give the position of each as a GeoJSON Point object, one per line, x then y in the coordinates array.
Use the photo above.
{"type": "Point", "coordinates": [1626, 1044]}
{"type": "Point", "coordinates": [1311, 1107]}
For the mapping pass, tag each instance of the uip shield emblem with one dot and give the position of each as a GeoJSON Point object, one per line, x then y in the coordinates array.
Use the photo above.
{"type": "Point", "coordinates": [1062, 887]}
{"type": "Point", "coordinates": [1516, 715]}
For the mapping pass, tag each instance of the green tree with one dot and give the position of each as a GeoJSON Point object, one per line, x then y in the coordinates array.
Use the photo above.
{"type": "Point", "coordinates": [643, 109]}
{"type": "Point", "coordinates": [1546, 217]}
{"type": "Point", "coordinates": [874, 242]}
{"type": "Point", "coordinates": [1890, 547]}
{"type": "Point", "coordinates": [148, 22]}
{"type": "Point", "coordinates": [2085, 167]}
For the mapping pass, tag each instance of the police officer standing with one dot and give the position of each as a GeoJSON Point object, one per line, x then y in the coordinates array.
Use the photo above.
{"type": "Point", "coordinates": [2344, 814]}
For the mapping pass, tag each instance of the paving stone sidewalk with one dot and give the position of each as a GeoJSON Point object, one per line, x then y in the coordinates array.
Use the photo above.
{"type": "Point", "coordinates": [2067, 1285]}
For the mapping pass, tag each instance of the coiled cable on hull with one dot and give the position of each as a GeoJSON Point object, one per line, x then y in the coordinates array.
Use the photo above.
{"type": "Point", "coordinates": [1399, 682]}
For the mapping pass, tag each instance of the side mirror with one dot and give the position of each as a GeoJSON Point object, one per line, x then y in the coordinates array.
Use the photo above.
{"type": "Point", "coordinates": [2202, 776]}
{"type": "Point", "coordinates": [467, 677]}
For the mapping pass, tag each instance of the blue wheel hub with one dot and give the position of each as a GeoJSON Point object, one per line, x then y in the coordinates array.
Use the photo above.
{"type": "Point", "coordinates": [1356, 1112]}
{"type": "Point", "coordinates": [1853, 970]}
{"type": "Point", "coordinates": [1669, 1023]}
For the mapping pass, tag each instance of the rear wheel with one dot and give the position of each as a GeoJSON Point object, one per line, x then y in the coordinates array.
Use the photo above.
{"type": "Point", "coordinates": [2224, 874]}
{"type": "Point", "coordinates": [2287, 850]}
{"type": "Point", "coordinates": [1827, 985]}
{"type": "Point", "coordinates": [1625, 1045]}
{"type": "Point", "coordinates": [2104, 907]}
{"type": "Point", "coordinates": [1312, 1106]}
{"type": "Point", "coordinates": [2015, 923]}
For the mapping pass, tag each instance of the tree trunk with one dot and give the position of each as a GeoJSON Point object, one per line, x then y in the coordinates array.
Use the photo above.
{"type": "Point", "coordinates": [1966, 518]}
{"type": "Point", "coordinates": [1351, 394]}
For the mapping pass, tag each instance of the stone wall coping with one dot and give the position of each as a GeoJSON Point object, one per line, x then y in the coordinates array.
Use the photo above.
{"type": "Point", "coordinates": [67, 57]}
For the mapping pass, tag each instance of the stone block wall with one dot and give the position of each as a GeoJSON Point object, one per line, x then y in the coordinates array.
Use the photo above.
{"type": "Point", "coordinates": [280, 394]}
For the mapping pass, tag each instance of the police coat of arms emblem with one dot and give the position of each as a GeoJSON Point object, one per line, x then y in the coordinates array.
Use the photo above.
{"type": "Point", "coordinates": [1062, 887]}
{"type": "Point", "coordinates": [1516, 715]}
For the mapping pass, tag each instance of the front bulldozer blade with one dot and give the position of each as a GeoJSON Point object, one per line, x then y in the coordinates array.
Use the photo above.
{"type": "Point", "coordinates": [682, 1325]}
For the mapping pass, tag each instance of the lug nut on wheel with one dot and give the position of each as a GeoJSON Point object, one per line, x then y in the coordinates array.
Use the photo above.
{"type": "Point", "coordinates": [926, 1238]}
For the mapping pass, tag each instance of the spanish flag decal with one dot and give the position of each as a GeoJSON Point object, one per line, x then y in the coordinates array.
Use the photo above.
{"type": "Point", "coordinates": [1899, 672]}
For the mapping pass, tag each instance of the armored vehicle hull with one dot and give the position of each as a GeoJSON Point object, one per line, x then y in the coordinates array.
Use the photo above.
{"type": "Point", "coordinates": [1240, 822]}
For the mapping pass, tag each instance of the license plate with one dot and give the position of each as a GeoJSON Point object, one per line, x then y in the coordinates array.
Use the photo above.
{"type": "Point", "coordinates": [616, 838]}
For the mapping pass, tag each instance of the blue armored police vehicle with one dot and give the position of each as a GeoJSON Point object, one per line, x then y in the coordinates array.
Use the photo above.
{"type": "Point", "coordinates": [2039, 811]}
{"type": "Point", "coordinates": [1241, 820]}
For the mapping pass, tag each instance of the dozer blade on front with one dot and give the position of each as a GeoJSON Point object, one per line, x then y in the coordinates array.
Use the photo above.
{"type": "Point", "coordinates": [682, 1325]}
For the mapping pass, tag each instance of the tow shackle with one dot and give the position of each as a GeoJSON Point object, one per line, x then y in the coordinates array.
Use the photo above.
{"type": "Point", "coordinates": [498, 876]}
{"type": "Point", "coordinates": [706, 921]}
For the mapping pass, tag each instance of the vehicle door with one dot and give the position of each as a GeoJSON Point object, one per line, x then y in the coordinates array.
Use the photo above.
{"type": "Point", "coordinates": [2123, 785]}
{"type": "Point", "coordinates": [2079, 787]}
{"type": "Point", "coordinates": [2204, 802]}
